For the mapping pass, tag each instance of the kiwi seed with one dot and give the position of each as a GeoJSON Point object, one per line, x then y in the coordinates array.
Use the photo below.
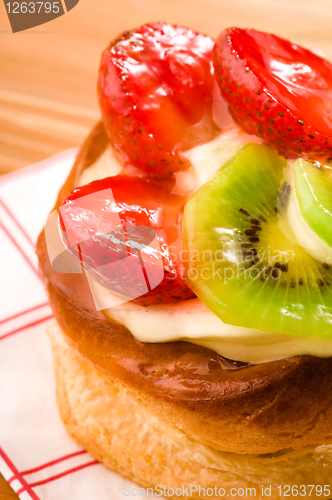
{"type": "Point", "coordinates": [256, 236]}
{"type": "Point", "coordinates": [250, 232]}
{"type": "Point", "coordinates": [252, 252]}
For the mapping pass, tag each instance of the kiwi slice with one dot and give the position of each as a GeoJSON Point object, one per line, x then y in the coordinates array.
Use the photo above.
{"type": "Point", "coordinates": [242, 264]}
{"type": "Point", "coordinates": [313, 186]}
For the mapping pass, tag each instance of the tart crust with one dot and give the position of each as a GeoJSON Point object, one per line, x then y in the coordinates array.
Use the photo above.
{"type": "Point", "coordinates": [259, 409]}
{"type": "Point", "coordinates": [114, 424]}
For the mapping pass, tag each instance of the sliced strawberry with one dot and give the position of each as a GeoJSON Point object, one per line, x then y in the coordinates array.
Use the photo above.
{"type": "Point", "coordinates": [124, 231]}
{"type": "Point", "coordinates": [277, 90]}
{"type": "Point", "coordinates": [155, 93]}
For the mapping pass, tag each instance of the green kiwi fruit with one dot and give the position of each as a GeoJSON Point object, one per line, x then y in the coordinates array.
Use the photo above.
{"type": "Point", "coordinates": [313, 186]}
{"type": "Point", "coordinates": [242, 264]}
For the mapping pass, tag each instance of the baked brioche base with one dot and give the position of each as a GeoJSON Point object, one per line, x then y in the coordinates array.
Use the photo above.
{"type": "Point", "coordinates": [260, 409]}
{"type": "Point", "coordinates": [115, 426]}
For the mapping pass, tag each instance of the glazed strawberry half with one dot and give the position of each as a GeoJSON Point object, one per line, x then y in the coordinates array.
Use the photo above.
{"type": "Point", "coordinates": [277, 90]}
{"type": "Point", "coordinates": [124, 231]}
{"type": "Point", "coordinates": [155, 88]}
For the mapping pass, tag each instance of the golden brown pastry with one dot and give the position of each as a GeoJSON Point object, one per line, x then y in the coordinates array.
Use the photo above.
{"type": "Point", "coordinates": [242, 420]}
{"type": "Point", "coordinates": [176, 415]}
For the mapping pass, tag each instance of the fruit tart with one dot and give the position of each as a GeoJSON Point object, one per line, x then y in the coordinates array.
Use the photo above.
{"type": "Point", "coordinates": [188, 263]}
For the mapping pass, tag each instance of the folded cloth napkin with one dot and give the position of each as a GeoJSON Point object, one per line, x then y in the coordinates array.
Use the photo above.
{"type": "Point", "coordinates": [37, 457]}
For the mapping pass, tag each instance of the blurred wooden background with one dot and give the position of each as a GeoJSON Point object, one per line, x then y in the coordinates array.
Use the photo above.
{"type": "Point", "coordinates": [48, 74]}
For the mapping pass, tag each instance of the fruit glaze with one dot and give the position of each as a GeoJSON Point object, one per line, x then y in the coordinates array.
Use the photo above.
{"type": "Point", "coordinates": [234, 207]}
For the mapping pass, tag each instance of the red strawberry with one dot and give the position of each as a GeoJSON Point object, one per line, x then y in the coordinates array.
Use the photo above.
{"type": "Point", "coordinates": [277, 90]}
{"type": "Point", "coordinates": [155, 84]}
{"type": "Point", "coordinates": [129, 247]}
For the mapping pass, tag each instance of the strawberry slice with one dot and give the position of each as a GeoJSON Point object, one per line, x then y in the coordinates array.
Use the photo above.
{"type": "Point", "coordinates": [155, 93]}
{"type": "Point", "coordinates": [129, 247]}
{"type": "Point", "coordinates": [277, 90]}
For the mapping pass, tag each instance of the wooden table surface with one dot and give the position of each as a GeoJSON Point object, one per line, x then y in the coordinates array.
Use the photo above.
{"type": "Point", "coordinates": [48, 74]}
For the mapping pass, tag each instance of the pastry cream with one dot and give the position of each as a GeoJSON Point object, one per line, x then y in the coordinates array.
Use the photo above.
{"type": "Point", "coordinates": [191, 320]}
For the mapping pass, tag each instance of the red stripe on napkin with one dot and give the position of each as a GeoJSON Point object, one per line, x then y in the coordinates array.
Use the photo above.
{"type": "Point", "coordinates": [26, 486]}
{"type": "Point", "coordinates": [12, 216]}
{"type": "Point", "coordinates": [58, 476]}
{"type": "Point", "coordinates": [26, 258]}
{"type": "Point", "coordinates": [25, 327]}
{"type": "Point", "coordinates": [17, 315]}
{"type": "Point", "coordinates": [53, 462]}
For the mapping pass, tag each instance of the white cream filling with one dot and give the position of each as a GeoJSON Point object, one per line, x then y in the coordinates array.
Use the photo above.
{"type": "Point", "coordinates": [305, 236]}
{"type": "Point", "coordinates": [191, 320]}
{"type": "Point", "coordinates": [106, 166]}
{"type": "Point", "coordinates": [208, 158]}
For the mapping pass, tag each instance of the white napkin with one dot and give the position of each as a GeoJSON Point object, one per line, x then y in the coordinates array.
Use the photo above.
{"type": "Point", "coordinates": [37, 457]}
